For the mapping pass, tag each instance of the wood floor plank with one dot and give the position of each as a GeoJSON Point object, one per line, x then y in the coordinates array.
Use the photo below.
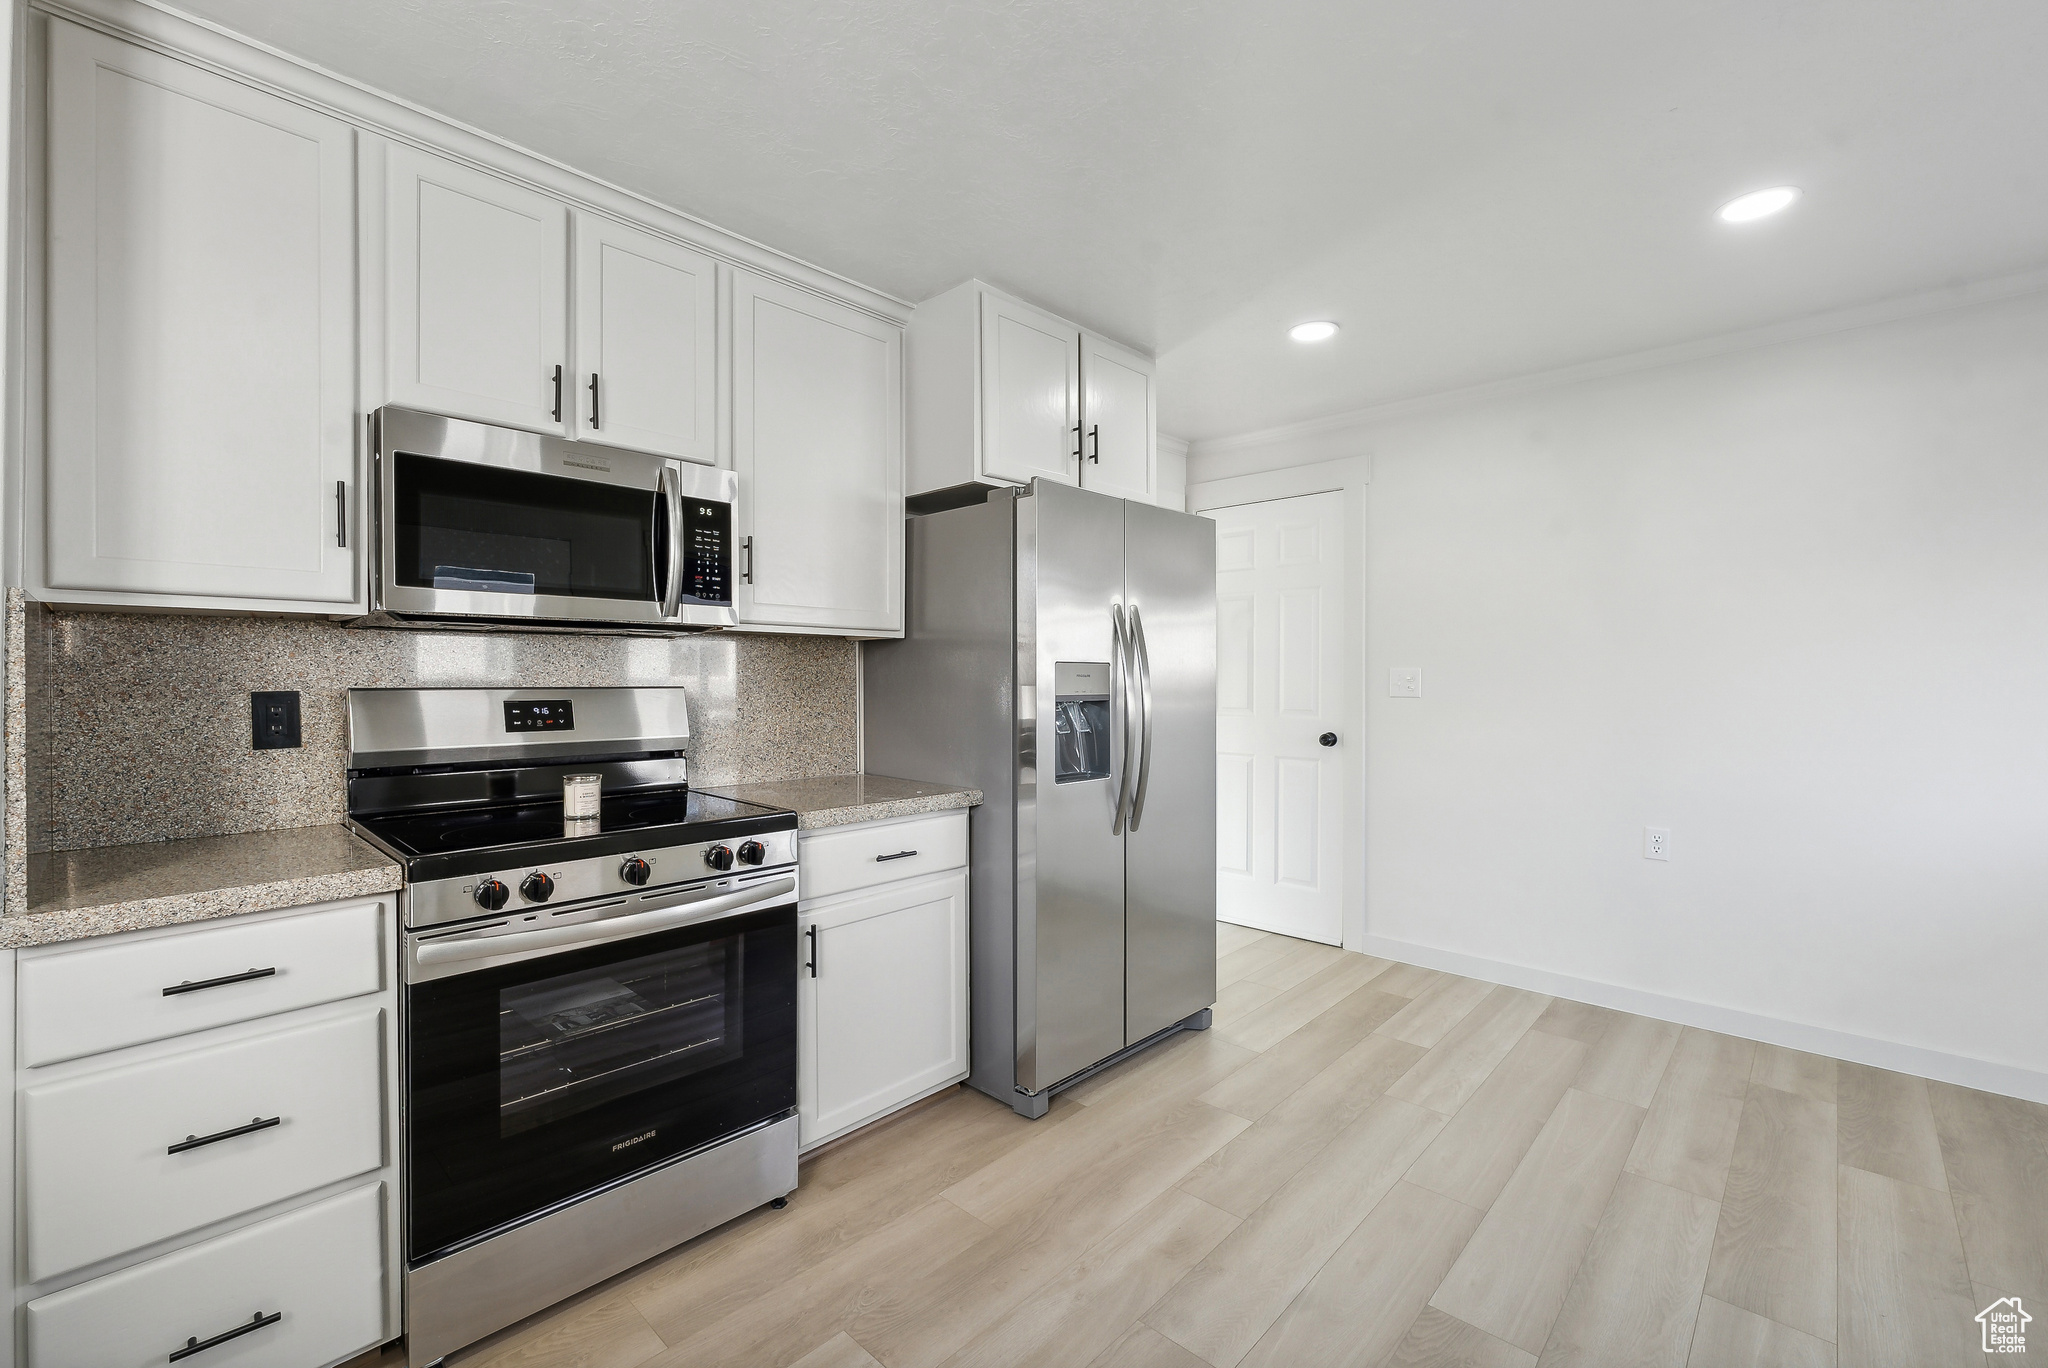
{"type": "Point", "coordinates": [1144, 1347]}
{"type": "Point", "coordinates": [1408, 980]}
{"type": "Point", "coordinates": [1884, 1124]}
{"type": "Point", "coordinates": [1231, 1298]}
{"type": "Point", "coordinates": [1250, 959]}
{"type": "Point", "coordinates": [1265, 1082]}
{"type": "Point", "coordinates": [1995, 1152]}
{"type": "Point", "coordinates": [1230, 936]}
{"type": "Point", "coordinates": [1580, 1021]}
{"type": "Point", "coordinates": [1730, 1337]}
{"type": "Point", "coordinates": [1437, 1340]}
{"type": "Point", "coordinates": [1359, 1305]}
{"type": "Point", "coordinates": [1456, 1065]}
{"type": "Point", "coordinates": [838, 1352]}
{"type": "Point", "coordinates": [1512, 1278]}
{"type": "Point", "coordinates": [1306, 961]}
{"type": "Point", "coordinates": [1628, 1060]}
{"type": "Point", "coordinates": [1774, 1252]}
{"type": "Point", "coordinates": [601, 1331]}
{"type": "Point", "coordinates": [1088, 1307]}
{"type": "Point", "coordinates": [1251, 1168]}
{"type": "Point", "coordinates": [1689, 1135]}
{"type": "Point", "coordinates": [1636, 1295]}
{"type": "Point", "coordinates": [1905, 1296]}
{"type": "Point", "coordinates": [1235, 999]}
{"type": "Point", "coordinates": [1264, 1027]}
{"type": "Point", "coordinates": [1431, 1013]}
{"type": "Point", "coordinates": [1478, 1151]}
{"type": "Point", "coordinates": [1794, 1072]}
{"type": "Point", "coordinates": [1180, 1067]}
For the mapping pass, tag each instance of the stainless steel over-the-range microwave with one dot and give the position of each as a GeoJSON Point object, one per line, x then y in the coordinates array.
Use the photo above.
{"type": "Point", "coordinates": [490, 523]}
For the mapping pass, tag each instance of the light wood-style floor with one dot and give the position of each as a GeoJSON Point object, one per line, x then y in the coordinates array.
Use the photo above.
{"type": "Point", "coordinates": [1364, 1164]}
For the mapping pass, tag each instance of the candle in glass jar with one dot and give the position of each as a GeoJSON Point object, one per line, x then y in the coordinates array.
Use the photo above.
{"type": "Point", "coordinates": [582, 795]}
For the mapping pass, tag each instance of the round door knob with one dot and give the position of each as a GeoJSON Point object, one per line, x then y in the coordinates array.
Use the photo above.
{"type": "Point", "coordinates": [536, 887]}
{"type": "Point", "coordinates": [1327, 739]}
{"type": "Point", "coordinates": [719, 857]}
{"type": "Point", "coordinates": [635, 871]}
{"type": "Point", "coordinates": [492, 895]}
{"type": "Point", "coordinates": [752, 852]}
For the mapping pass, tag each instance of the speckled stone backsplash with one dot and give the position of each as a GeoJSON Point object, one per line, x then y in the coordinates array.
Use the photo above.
{"type": "Point", "coordinates": [137, 725]}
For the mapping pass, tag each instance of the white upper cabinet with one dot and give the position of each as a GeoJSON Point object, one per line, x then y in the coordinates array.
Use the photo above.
{"type": "Point", "coordinates": [1002, 393]}
{"type": "Point", "coordinates": [1119, 421]}
{"type": "Point", "coordinates": [200, 434]}
{"type": "Point", "coordinates": [817, 439]}
{"type": "Point", "coordinates": [476, 295]}
{"type": "Point", "coordinates": [646, 341]}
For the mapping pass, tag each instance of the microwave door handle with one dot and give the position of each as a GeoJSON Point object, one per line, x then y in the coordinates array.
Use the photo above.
{"type": "Point", "coordinates": [1144, 697]}
{"type": "Point", "coordinates": [457, 948]}
{"type": "Point", "coordinates": [668, 503]}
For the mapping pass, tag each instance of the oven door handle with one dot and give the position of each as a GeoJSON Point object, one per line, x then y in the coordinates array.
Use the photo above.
{"type": "Point", "coordinates": [457, 948]}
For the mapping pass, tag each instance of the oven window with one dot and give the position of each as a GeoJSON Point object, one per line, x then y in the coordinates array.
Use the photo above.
{"type": "Point", "coordinates": [485, 529]}
{"type": "Point", "coordinates": [576, 1041]}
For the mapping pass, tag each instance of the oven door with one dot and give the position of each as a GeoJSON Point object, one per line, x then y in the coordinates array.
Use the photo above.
{"type": "Point", "coordinates": [544, 1064]}
{"type": "Point", "coordinates": [487, 522]}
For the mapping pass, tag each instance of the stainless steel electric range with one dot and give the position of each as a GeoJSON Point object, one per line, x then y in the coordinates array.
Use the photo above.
{"type": "Point", "coordinates": [600, 1014]}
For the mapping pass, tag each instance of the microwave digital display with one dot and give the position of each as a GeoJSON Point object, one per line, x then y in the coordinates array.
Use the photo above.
{"type": "Point", "coordinates": [707, 552]}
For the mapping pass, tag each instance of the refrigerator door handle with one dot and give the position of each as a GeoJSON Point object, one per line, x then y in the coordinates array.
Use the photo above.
{"type": "Point", "coordinates": [1143, 697]}
{"type": "Point", "coordinates": [1120, 670]}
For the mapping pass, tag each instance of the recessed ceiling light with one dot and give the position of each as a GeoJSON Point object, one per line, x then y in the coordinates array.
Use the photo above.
{"type": "Point", "coordinates": [1759, 204]}
{"type": "Point", "coordinates": [1322, 330]}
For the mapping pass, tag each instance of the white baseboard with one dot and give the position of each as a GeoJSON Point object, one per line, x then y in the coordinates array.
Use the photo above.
{"type": "Point", "coordinates": [2006, 1079]}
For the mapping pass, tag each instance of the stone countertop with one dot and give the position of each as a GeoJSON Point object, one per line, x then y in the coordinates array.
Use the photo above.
{"type": "Point", "coordinates": [77, 893]}
{"type": "Point", "coordinates": [843, 799]}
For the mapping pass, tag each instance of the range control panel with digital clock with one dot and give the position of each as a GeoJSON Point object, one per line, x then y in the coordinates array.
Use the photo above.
{"type": "Point", "coordinates": [539, 714]}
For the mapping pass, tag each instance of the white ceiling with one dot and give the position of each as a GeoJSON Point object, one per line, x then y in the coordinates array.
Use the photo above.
{"type": "Point", "coordinates": [1475, 190]}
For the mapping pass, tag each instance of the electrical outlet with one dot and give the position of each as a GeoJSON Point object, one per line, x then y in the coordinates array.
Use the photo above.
{"type": "Point", "coordinates": [1405, 682]}
{"type": "Point", "coordinates": [1656, 843]}
{"type": "Point", "coordinates": [274, 719]}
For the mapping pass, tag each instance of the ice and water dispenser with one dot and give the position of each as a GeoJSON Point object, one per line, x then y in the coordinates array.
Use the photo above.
{"type": "Point", "coordinates": [1080, 720]}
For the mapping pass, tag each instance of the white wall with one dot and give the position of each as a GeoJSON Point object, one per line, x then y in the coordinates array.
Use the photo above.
{"type": "Point", "coordinates": [1790, 602]}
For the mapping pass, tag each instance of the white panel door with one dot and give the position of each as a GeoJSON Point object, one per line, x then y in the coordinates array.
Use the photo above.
{"type": "Point", "coordinates": [646, 341]}
{"type": "Point", "coordinates": [817, 440]}
{"type": "Point", "coordinates": [1030, 393]}
{"type": "Point", "coordinates": [884, 999]}
{"type": "Point", "coordinates": [477, 273]}
{"type": "Point", "coordinates": [201, 332]}
{"type": "Point", "coordinates": [1119, 454]}
{"type": "Point", "coordinates": [1279, 686]}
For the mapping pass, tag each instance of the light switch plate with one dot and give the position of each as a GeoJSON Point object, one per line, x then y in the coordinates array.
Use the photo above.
{"type": "Point", "coordinates": [1405, 682]}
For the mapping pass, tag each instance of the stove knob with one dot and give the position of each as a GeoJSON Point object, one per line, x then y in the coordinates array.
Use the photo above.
{"type": "Point", "coordinates": [719, 857]}
{"type": "Point", "coordinates": [492, 895]}
{"type": "Point", "coordinates": [537, 887]}
{"type": "Point", "coordinates": [752, 852]}
{"type": "Point", "coordinates": [635, 871]}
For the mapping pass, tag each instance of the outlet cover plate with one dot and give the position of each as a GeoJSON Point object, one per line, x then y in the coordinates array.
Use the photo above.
{"type": "Point", "coordinates": [274, 719]}
{"type": "Point", "coordinates": [1404, 682]}
{"type": "Point", "coordinates": [1656, 843]}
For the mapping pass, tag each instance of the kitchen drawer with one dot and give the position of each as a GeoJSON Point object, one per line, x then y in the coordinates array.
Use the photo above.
{"type": "Point", "coordinates": [98, 1177]}
{"type": "Point", "coordinates": [319, 1270]}
{"type": "Point", "coordinates": [874, 853]}
{"type": "Point", "coordinates": [104, 997]}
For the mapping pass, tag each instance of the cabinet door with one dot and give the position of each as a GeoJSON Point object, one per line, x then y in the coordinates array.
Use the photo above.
{"type": "Point", "coordinates": [646, 341]}
{"type": "Point", "coordinates": [201, 332]}
{"type": "Point", "coordinates": [1030, 392]}
{"type": "Point", "coordinates": [1118, 419]}
{"type": "Point", "coordinates": [477, 274]}
{"type": "Point", "coordinates": [887, 1006]}
{"type": "Point", "coordinates": [817, 439]}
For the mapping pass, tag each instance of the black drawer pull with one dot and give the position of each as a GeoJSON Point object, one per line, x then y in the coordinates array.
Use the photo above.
{"type": "Point", "coordinates": [899, 855]}
{"type": "Point", "coordinates": [192, 1142]}
{"type": "Point", "coordinates": [188, 986]}
{"type": "Point", "coordinates": [196, 1345]}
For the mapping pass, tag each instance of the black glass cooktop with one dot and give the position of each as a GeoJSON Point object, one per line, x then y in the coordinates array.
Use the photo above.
{"type": "Point", "coordinates": [444, 836]}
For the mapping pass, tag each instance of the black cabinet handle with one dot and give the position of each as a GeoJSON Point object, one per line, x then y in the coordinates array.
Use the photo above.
{"type": "Point", "coordinates": [558, 394]}
{"type": "Point", "coordinates": [341, 512]}
{"type": "Point", "coordinates": [811, 933]}
{"type": "Point", "coordinates": [1095, 436]}
{"type": "Point", "coordinates": [899, 855]}
{"type": "Point", "coordinates": [192, 1142]}
{"type": "Point", "coordinates": [196, 1345]}
{"type": "Point", "coordinates": [593, 398]}
{"type": "Point", "coordinates": [747, 575]}
{"type": "Point", "coordinates": [1077, 441]}
{"type": "Point", "coordinates": [188, 986]}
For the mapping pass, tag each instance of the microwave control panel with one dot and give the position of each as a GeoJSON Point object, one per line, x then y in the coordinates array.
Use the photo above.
{"type": "Point", "coordinates": [707, 552]}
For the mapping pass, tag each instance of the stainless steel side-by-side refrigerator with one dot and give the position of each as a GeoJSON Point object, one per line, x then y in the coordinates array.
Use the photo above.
{"type": "Point", "coordinates": [1060, 655]}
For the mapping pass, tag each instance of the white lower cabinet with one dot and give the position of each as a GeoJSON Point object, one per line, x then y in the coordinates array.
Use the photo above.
{"type": "Point", "coordinates": [296, 1291]}
{"type": "Point", "coordinates": [882, 1004]}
